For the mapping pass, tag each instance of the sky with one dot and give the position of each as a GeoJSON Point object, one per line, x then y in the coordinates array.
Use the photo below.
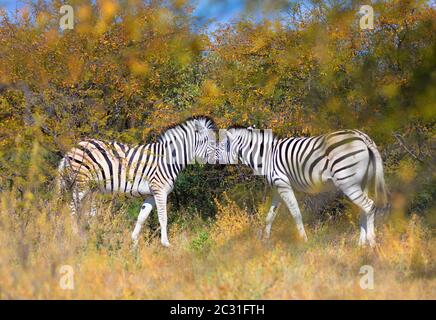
{"type": "Point", "coordinates": [9, 4]}
{"type": "Point", "coordinates": [219, 11]}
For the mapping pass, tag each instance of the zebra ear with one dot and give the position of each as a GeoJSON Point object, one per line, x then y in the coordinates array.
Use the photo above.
{"type": "Point", "coordinates": [199, 126]}
{"type": "Point", "coordinates": [230, 135]}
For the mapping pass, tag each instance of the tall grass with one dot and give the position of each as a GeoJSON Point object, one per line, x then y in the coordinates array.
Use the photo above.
{"type": "Point", "coordinates": [220, 259]}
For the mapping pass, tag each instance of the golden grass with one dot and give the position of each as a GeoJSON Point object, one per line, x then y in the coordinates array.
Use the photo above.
{"type": "Point", "coordinates": [224, 259]}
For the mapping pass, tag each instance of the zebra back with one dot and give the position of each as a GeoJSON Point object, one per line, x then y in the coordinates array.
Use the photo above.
{"type": "Point", "coordinates": [116, 167]}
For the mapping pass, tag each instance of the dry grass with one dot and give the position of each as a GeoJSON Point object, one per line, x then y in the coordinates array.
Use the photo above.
{"type": "Point", "coordinates": [220, 260]}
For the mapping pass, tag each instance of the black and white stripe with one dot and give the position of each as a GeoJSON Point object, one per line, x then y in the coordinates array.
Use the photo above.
{"type": "Point", "coordinates": [147, 171]}
{"type": "Point", "coordinates": [348, 160]}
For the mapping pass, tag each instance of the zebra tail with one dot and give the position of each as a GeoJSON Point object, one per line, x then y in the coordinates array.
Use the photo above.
{"type": "Point", "coordinates": [380, 191]}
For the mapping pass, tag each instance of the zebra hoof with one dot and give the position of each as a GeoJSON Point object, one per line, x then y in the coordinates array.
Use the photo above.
{"type": "Point", "coordinates": [166, 244]}
{"type": "Point", "coordinates": [135, 242]}
{"type": "Point", "coordinates": [259, 234]}
{"type": "Point", "coordinates": [372, 243]}
{"type": "Point", "coordinates": [266, 237]}
{"type": "Point", "coordinates": [364, 242]}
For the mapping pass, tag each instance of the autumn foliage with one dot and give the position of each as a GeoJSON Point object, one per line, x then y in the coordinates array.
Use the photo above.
{"type": "Point", "coordinates": [128, 69]}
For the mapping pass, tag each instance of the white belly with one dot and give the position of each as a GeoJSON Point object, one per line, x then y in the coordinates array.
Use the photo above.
{"type": "Point", "coordinates": [137, 190]}
{"type": "Point", "coordinates": [144, 188]}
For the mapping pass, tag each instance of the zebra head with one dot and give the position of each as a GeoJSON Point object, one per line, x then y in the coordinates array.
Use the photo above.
{"type": "Point", "coordinates": [236, 143]}
{"type": "Point", "coordinates": [227, 150]}
{"type": "Point", "coordinates": [205, 140]}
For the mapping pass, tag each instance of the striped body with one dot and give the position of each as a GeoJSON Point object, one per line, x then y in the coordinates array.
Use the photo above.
{"type": "Point", "coordinates": [310, 164]}
{"type": "Point", "coordinates": [117, 168]}
{"type": "Point", "coordinates": [347, 160]}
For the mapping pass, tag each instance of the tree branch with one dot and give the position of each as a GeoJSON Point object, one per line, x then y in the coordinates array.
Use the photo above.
{"type": "Point", "coordinates": [403, 144]}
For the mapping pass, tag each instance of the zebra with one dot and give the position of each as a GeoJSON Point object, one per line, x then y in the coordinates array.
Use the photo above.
{"type": "Point", "coordinates": [148, 170]}
{"type": "Point", "coordinates": [347, 160]}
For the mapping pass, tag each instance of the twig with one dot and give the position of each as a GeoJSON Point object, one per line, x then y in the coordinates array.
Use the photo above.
{"type": "Point", "coordinates": [402, 143]}
{"type": "Point", "coordinates": [152, 236]}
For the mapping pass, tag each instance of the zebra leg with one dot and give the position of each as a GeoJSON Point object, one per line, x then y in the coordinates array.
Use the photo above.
{"type": "Point", "coordinates": [360, 199]}
{"type": "Point", "coordinates": [81, 197]}
{"type": "Point", "coordinates": [272, 213]}
{"type": "Point", "coordinates": [75, 207]}
{"type": "Point", "coordinates": [161, 205]}
{"type": "Point", "coordinates": [288, 196]}
{"type": "Point", "coordinates": [370, 229]}
{"type": "Point", "coordinates": [146, 208]}
{"type": "Point", "coordinates": [93, 208]}
{"type": "Point", "coordinates": [363, 227]}
{"type": "Point", "coordinates": [363, 224]}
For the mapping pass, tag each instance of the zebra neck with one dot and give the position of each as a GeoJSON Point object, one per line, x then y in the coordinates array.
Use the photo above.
{"type": "Point", "coordinates": [256, 152]}
{"type": "Point", "coordinates": [178, 153]}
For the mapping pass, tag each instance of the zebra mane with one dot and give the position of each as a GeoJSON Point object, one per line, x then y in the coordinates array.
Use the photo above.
{"type": "Point", "coordinates": [253, 128]}
{"type": "Point", "coordinates": [237, 126]}
{"type": "Point", "coordinates": [208, 123]}
{"type": "Point", "coordinates": [240, 127]}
